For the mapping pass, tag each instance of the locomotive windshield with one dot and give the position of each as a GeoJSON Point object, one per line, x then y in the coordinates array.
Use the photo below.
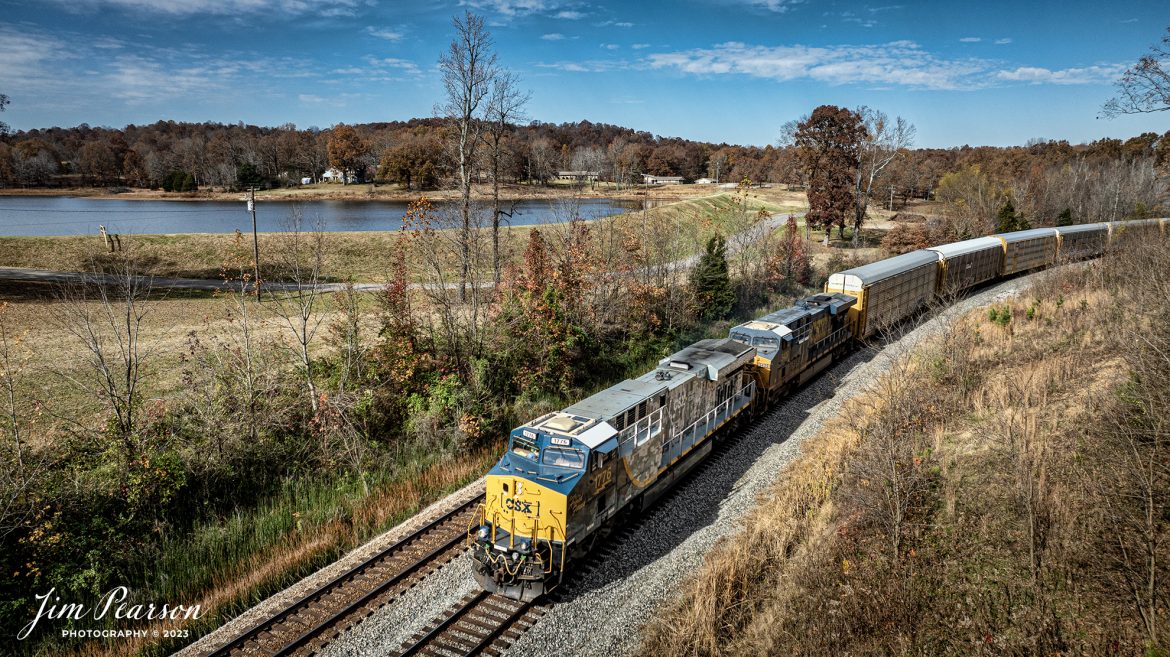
{"type": "Point", "coordinates": [766, 342]}
{"type": "Point", "coordinates": [564, 457]}
{"type": "Point", "coordinates": [522, 446]}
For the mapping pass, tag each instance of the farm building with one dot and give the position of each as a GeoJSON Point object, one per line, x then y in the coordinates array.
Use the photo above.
{"type": "Point", "coordinates": [648, 179]}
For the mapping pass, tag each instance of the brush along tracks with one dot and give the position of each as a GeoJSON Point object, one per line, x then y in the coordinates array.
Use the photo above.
{"type": "Point", "coordinates": [480, 623]}
{"type": "Point", "coordinates": [316, 618]}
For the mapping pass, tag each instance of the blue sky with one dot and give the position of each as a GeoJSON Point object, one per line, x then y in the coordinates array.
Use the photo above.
{"type": "Point", "coordinates": [991, 72]}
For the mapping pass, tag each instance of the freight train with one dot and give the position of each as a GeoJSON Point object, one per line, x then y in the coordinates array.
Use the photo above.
{"type": "Point", "coordinates": [567, 477]}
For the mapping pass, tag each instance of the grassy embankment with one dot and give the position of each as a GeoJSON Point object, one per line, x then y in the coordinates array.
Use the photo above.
{"type": "Point", "coordinates": [360, 256]}
{"type": "Point", "coordinates": [1003, 490]}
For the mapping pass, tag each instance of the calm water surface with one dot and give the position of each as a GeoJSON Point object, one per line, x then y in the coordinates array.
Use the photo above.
{"type": "Point", "coordinates": [31, 215]}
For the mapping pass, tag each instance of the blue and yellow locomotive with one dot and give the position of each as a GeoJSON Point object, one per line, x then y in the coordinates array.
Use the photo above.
{"type": "Point", "coordinates": [568, 474]}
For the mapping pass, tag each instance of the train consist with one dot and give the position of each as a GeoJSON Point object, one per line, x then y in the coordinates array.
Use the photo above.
{"type": "Point", "coordinates": [568, 476]}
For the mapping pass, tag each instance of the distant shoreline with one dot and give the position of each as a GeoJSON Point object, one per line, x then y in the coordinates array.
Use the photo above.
{"type": "Point", "coordinates": [367, 193]}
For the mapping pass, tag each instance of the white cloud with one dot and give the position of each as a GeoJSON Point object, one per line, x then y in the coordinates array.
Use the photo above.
{"type": "Point", "coordinates": [970, 39]}
{"type": "Point", "coordinates": [896, 64]}
{"type": "Point", "coordinates": [1085, 75]}
{"type": "Point", "coordinates": [610, 46]}
{"type": "Point", "coordinates": [623, 24]}
{"type": "Point", "coordinates": [383, 33]}
{"type": "Point", "coordinates": [554, 36]}
{"type": "Point", "coordinates": [778, 6]}
{"type": "Point", "coordinates": [221, 7]}
{"type": "Point", "coordinates": [139, 80]}
{"type": "Point", "coordinates": [570, 15]}
{"type": "Point", "coordinates": [1002, 42]}
{"type": "Point", "coordinates": [404, 65]}
{"type": "Point", "coordinates": [902, 63]}
{"type": "Point", "coordinates": [310, 98]}
{"type": "Point", "coordinates": [586, 66]}
{"type": "Point", "coordinates": [509, 7]}
{"type": "Point", "coordinates": [640, 46]}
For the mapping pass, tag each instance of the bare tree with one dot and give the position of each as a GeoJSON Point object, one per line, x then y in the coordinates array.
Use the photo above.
{"type": "Point", "coordinates": [883, 142]}
{"type": "Point", "coordinates": [106, 314]}
{"type": "Point", "coordinates": [505, 107]}
{"type": "Point", "coordinates": [1145, 86]}
{"type": "Point", "coordinates": [301, 257]}
{"type": "Point", "coordinates": [468, 67]}
{"type": "Point", "coordinates": [21, 467]}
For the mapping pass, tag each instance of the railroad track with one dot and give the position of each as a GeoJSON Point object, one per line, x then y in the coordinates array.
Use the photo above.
{"type": "Point", "coordinates": [481, 623]}
{"type": "Point", "coordinates": [316, 618]}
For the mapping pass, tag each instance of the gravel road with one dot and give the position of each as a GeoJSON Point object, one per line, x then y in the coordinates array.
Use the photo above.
{"type": "Point", "coordinates": [601, 612]}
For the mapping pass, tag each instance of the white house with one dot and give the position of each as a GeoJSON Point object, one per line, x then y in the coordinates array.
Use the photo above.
{"type": "Point", "coordinates": [704, 181]}
{"type": "Point", "coordinates": [333, 175]}
{"type": "Point", "coordinates": [648, 179]}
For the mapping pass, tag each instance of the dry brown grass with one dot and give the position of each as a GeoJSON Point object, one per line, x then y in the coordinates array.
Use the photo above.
{"type": "Point", "coordinates": [1000, 555]}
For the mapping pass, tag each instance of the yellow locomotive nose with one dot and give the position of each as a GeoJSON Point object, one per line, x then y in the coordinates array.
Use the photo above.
{"type": "Point", "coordinates": [521, 509]}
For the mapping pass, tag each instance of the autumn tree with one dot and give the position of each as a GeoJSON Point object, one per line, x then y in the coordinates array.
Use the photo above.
{"type": "Point", "coordinates": [347, 151]}
{"type": "Point", "coordinates": [1145, 86]}
{"type": "Point", "coordinates": [414, 162]}
{"type": "Point", "coordinates": [828, 144]}
{"type": "Point", "coordinates": [468, 69]}
{"type": "Point", "coordinates": [790, 263]}
{"type": "Point", "coordinates": [711, 281]}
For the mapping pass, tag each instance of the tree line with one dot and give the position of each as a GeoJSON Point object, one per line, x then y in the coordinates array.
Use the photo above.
{"type": "Point", "coordinates": [415, 155]}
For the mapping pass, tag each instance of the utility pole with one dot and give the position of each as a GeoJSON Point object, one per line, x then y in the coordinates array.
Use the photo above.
{"type": "Point", "coordinates": [255, 241]}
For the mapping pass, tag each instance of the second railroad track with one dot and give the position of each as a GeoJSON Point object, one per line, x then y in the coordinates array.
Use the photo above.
{"type": "Point", "coordinates": [314, 619]}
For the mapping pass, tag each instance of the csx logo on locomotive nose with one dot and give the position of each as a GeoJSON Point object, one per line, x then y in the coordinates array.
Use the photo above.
{"type": "Point", "coordinates": [520, 506]}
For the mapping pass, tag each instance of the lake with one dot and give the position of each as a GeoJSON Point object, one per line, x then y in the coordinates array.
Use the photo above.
{"type": "Point", "coordinates": [44, 215]}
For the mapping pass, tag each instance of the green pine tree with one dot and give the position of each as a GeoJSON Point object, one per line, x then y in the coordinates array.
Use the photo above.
{"type": "Point", "coordinates": [1064, 218]}
{"type": "Point", "coordinates": [1007, 220]}
{"type": "Point", "coordinates": [712, 283]}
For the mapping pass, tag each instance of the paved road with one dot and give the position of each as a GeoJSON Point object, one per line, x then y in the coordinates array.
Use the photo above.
{"type": "Point", "coordinates": [19, 275]}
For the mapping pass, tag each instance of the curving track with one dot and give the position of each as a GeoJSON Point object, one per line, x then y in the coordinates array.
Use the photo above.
{"type": "Point", "coordinates": [313, 620]}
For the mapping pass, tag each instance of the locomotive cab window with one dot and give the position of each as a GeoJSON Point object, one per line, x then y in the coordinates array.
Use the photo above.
{"type": "Point", "coordinates": [598, 460]}
{"type": "Point", "coordinates": [564, 457]}
{"type": "Point", "coordinates": [524, 447]}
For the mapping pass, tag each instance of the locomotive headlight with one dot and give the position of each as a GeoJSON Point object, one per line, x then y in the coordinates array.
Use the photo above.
{"type": "Point", "coordinates": [515, 556]}
{"type": "Point", "coordinates": [482, 534]}
{"type": "Point", "coordinates": [523, 546]}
